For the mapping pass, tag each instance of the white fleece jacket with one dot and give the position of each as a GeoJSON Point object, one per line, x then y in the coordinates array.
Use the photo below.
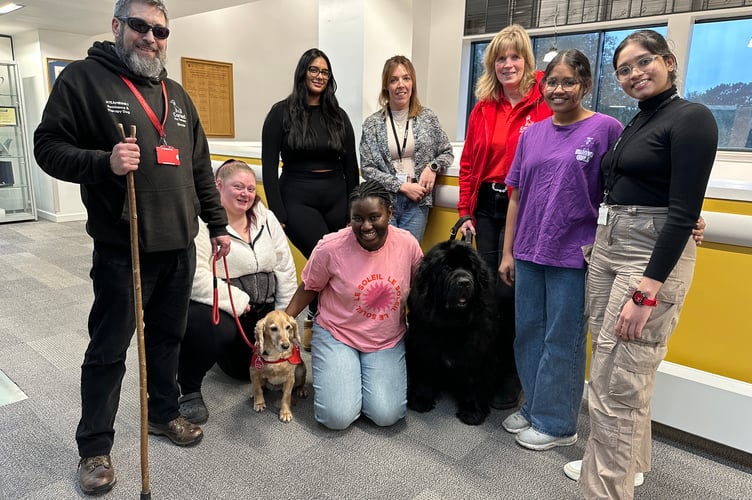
{"type": "Point", "coordinates": [269, 252]}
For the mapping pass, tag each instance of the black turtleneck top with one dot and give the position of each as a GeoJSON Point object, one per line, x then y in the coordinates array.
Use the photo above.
{"type": "Point", "coordinates": [663, 159]}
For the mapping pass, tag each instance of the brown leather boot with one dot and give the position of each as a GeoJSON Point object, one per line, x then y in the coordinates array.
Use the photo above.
{"type": "Point", "coordinates": [96, 475]}
{"type": "Point", "coordinates": [307, 334]}
{"type": "Point", "coordinates": [180, 431]}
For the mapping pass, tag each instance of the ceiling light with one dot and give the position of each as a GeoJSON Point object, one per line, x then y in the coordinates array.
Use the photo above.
{"type": "Point", "coordinates": [9, 7]}
{"type": "Point", "coordinates": [548, 57]}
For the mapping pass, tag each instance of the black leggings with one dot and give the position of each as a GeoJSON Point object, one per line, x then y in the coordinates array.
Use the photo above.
{"type": "Point", "coordinates": [205, 344]}
{"type": "Point", "coordinates": [316, 204]}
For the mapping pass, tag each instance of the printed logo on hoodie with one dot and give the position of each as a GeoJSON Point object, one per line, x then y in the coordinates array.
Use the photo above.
{"type": "Point", "coordinates": [177, 114]}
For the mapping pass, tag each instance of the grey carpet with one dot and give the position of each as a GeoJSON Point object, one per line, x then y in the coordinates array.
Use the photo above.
{"type": "Point", "coordinates": [45, 295]}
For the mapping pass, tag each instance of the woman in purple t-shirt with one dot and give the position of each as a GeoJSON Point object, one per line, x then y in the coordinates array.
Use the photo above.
{"type": "Point", "coordinates": [552, 215]}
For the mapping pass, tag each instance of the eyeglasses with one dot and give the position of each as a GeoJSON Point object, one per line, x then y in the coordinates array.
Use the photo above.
{"type": "Point", "coordinates": [314, 71]}
{"type": "Point", "coordinates": [141, 26]}
{"type": "Point", "coordinates": [566, 84]}
{"type": "Point", "coordinates": [625, 71]}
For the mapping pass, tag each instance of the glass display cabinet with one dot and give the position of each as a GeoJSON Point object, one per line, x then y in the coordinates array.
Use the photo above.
{"type": "Point", "coordinates": [16, 194]}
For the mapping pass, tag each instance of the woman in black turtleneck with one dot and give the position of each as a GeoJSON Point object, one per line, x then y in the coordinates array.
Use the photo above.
{"type": "Point", "coordinates": [654, 181]}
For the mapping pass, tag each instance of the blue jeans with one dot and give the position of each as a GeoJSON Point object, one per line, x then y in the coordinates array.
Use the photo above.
{"type": "Point", "coordinates": [347, 382]}
{"type": "Point", "coordinates": [550, 344]}
{"type": "Point", "coordinates": [410, 216]}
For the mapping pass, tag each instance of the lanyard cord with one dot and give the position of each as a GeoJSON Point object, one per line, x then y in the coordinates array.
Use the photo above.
{"type": "Point", "coordinates": [396, 137]}
{"type": "Point", "coordinates": [215, 305]}
{"type": "Point", "coordinates": [150, 112]}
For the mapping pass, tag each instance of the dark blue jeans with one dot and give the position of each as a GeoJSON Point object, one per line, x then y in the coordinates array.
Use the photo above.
{"type": "Point", "coordinates": [490, 222]}
{"type": "Point", "coordinates": [166, 279]}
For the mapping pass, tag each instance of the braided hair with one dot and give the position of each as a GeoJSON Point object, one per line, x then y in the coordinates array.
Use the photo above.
{"type": "Point", "coordinates": [371, 189]}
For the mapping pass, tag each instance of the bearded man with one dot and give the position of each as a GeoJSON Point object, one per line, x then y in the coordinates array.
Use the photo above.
{"type": "Point", "coordinates": [78, 141]}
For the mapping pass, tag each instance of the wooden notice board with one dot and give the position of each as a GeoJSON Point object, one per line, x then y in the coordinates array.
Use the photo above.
{"type": "Point", "coordinates": [209, 83]}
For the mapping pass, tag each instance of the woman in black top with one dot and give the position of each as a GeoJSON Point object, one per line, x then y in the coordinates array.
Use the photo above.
{"type": "Point", "coordinates": [654, 180]}
{"type": "Point", "coordinates": [316, 142]}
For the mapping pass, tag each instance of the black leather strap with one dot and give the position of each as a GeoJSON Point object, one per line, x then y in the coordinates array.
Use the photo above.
{"type": "Point", "coordinates": [456, 228]}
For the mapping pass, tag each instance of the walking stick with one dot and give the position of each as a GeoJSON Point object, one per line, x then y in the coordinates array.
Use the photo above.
{"type": "Point", "coordinates": [145, 488]}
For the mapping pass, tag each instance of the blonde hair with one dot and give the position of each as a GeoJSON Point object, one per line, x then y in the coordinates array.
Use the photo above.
{"type": "Point", "coordinates": [513, 37]}
{"type": "Point", "coordinates": [386, 75]}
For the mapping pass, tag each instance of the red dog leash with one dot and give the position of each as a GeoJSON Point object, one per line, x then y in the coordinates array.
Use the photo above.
{"type": "Point", "coordinates": [257, 361]}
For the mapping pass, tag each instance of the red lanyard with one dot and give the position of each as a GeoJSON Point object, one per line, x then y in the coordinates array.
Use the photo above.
{"type": "Point", "coordinates": [149, 112]}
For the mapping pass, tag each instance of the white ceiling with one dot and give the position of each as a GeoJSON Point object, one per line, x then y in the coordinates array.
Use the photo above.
{"type": "Point", "coordinates": [89, 17]}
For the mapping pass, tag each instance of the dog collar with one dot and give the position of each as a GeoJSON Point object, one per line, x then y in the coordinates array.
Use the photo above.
{"type": "Point", "coordinates": [258, 362]}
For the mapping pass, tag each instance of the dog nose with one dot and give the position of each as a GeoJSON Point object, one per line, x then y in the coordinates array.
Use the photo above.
{"type": "Point", "coordinates": [285, 346]}
{"type": "Point", "coordinates": [464, 282]}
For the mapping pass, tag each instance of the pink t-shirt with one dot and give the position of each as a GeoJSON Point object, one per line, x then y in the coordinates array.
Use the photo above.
{"type": "Point", "coordinates": [362, 294]}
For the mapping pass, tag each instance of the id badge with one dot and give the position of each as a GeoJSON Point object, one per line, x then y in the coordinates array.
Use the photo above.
{"type": "Point", "coordinates": [403, 177]}
{"type": "Point", "coordinates": [602, 215]}
{"type": "Point", "coordinates": [167, 155]}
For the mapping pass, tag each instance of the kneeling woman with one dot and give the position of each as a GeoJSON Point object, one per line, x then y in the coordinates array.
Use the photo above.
{"type": "Point", "coordinates": [262, 278]}
{"type": "Point", "coordinates": [361, 275]}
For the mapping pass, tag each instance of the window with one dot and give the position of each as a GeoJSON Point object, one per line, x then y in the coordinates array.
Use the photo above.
{"type": "Point", "coordinates": [719, 75]}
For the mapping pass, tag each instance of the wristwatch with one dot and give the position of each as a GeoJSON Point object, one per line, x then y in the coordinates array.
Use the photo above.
{"type": "Point", "coordinates": [639, 298]}
{"type": "Point", "coordinates": [435, 167]}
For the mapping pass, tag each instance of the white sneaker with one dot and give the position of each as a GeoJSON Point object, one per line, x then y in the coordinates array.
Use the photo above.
{"type": "Point", "coordinates": [573, 469]}
{"type": "Point", "coordinates": [538, 441]}
{"type": "Point", "coordinates": [515, 423]}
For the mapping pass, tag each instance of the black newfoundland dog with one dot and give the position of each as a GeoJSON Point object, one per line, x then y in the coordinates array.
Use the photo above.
{"type": "Point", "coordinates": [452, 340]}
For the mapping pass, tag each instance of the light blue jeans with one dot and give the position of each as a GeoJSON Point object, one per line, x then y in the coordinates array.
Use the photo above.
{"type": "Point", "coordinates": [347, 382]}
{"type": "Point", "coordinates": [410, 216]}
{"type": "Point", "coordinates": [550, 344]}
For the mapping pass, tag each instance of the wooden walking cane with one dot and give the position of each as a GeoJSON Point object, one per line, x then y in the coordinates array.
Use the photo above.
{"type": "Point", "coordinates": [145, 488]}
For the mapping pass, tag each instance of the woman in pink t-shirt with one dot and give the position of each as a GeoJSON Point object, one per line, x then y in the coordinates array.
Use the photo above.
{"type": "Point", "coordinates": [361, 275]}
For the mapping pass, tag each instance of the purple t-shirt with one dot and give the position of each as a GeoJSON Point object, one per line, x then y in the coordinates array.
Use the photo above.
{"type": "Point", "coordinates": [557, 172]}
{"type": "Point", "coordinates": [362, 294]}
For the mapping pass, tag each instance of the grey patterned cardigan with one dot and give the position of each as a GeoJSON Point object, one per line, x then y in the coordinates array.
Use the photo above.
{"type": "Point", "coordinates": [431, 145]}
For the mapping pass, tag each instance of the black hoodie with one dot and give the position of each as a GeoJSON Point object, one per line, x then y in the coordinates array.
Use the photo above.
{"type": "Point", "coordinates": [79, 129]}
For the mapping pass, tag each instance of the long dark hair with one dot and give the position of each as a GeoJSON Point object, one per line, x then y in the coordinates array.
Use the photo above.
{"type": "Point", "coordinates": [302, 135]}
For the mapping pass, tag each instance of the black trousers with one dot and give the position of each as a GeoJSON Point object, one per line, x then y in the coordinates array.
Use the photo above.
{"type": "Point", "coordinates": [166, 279]}
{"type": "Point", "coordinates": [206, 343]}
{"type": "Point", "coordinates": [490, 222]}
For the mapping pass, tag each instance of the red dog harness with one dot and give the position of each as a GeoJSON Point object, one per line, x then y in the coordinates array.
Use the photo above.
{"type": "Point", "coordinates": [257, 361]}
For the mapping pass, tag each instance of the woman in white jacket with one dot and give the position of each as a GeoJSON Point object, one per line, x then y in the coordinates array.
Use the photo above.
{"type": "Point", "coordinates": [262, 276]}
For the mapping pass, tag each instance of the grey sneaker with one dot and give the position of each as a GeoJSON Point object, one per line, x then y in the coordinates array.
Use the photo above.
{"type": "Point", "coordinates": [192, 407]}
{"type": "Point", "coordinates": [538, 441]}
{"type": "Point", "coordinates": [515, 423]}
{"type": "Point", "coordinates": [573, 469]}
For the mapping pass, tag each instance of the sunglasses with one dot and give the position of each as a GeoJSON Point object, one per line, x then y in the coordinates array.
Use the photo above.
{"type": "Point", "coordinates": [141, 26]}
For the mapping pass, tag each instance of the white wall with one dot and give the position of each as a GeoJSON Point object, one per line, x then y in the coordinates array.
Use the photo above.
{"type": "Point", "coordinates": [263, 40]}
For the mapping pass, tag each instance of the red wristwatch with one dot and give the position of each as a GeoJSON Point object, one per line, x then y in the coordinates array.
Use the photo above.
{"type": "Point", "coordinates": [639, 298]}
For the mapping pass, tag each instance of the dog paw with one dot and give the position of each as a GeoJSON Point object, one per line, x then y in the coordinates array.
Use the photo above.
{"type": "Point", "coordinates": [301, 392]}
{"type": "Point", "coordinates": [471, 416]}
{"type": "Point", "coordinates": [285, 415]}
{"type": "Point", "coordinates": [420, 405]}
{"type": "Point", "coordinates": [259, 406]}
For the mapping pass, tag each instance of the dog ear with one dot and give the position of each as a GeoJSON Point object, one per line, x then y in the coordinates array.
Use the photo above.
{"type": "Point", "coordinates": [295, 333]}
{"type": "Point", "coordinates": [259, 334]}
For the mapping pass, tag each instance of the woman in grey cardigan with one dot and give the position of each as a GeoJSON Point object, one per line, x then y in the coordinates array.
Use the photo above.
{"type": "Point", "coordinates": [403, 147]}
